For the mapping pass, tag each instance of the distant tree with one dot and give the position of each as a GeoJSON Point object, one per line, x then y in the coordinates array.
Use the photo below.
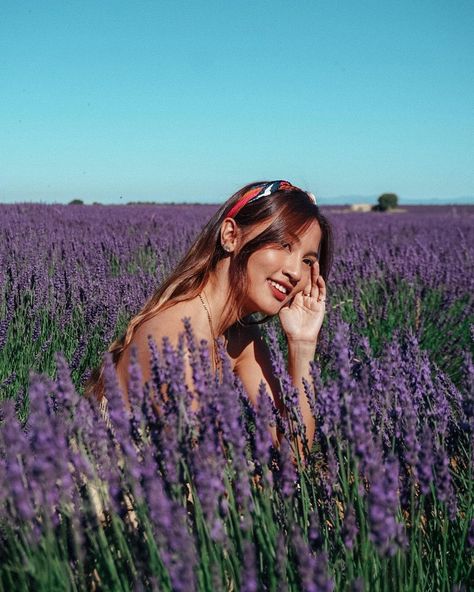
{"type": "Point", "coordinates": [142, 203]}
{"type": "Point", "coordinates": [387, 201]}
{"type": "Point", "coordinates": [76, 202]}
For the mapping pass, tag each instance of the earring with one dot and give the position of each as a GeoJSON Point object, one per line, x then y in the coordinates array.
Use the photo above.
{"type": "Point", "coordinates": [226, 248]}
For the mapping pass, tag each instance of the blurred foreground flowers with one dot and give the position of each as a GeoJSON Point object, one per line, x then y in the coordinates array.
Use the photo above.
{"type": "Point", "coordinates": [159, 497]}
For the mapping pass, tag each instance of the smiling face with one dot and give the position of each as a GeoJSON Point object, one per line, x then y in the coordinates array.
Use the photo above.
{"type": "Point", "coordinates": [277, 272]}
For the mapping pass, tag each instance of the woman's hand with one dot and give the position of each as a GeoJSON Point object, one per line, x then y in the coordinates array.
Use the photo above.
{"type": "Point", "coordinates": [302, 317]}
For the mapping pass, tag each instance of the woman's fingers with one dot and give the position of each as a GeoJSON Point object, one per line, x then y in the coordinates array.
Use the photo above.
{"type": "Point", "coordinates": [322, 289]}
{"type": "Point", "coordinates": [316, 286]}
{"type": "Point", "coordinates": [307, 289]}
{"type": "Point", "coordinates": [314, 292]}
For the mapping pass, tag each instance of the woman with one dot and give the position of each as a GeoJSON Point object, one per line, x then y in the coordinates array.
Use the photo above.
{"type": "Point", "coordinates": [268, 250]}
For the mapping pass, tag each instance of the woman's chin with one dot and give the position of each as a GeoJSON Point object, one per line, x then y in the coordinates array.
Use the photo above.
{"type": "Point", "coordinates": [263, 311]}
{"type": "Point", "coordinates": [269, 306]}
{"type": "Point", "coordinates": [270, 310]}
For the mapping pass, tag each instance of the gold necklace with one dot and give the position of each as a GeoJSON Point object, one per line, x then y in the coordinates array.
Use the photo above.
{"type": "Point", "coordinates": [216, 358]}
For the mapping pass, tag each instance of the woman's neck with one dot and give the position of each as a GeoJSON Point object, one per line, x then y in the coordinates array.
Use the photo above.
{"type": "Point", "coordinates": [217, 292]}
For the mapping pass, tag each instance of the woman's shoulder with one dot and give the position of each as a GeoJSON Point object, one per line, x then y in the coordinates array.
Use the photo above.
{"type": "Point", "coordinates": [169, 322]}
{"type": "Point", "coordinates": [164, 323]}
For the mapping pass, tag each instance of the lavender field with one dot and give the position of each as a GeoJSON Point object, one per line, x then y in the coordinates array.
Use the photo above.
{"type": "Point", "coordinates": [185, 501]}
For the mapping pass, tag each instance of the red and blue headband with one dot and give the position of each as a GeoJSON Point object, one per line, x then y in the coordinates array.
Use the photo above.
{"type": "Point", "coordinates": [262, 191]}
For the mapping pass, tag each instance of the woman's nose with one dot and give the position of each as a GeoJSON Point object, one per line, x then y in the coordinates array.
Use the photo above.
{"type": "Point", "coordinates": [292, 268]}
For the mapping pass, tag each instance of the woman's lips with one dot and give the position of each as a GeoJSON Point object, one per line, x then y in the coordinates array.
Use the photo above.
{"type": "Point", "coordinates": [276, 293]}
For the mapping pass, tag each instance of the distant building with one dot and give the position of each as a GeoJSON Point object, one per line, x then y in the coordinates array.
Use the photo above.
{"type": "Point", "coordinates": [363, 207]}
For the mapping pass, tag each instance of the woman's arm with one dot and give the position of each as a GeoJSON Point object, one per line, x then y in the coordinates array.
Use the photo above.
{"type": "Point", "coordinates": [300, 354]}
{"type": "Point", "coordinates": [301, 321]}
{"type": "Point", "coordinates": [253, 366]}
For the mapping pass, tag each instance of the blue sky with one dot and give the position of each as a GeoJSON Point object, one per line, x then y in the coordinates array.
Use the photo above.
{"type": "Point", "coordinates": [187, 101]}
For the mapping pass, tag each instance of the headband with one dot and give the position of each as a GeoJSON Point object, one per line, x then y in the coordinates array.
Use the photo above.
{"type": "Point", "coordinates": [262, 191]}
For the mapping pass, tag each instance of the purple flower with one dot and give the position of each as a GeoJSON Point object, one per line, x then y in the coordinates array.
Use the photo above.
{"type": "Point", "coordinates": [200, 364]}
{"type": "Point", "coordinates": [357, 426]}
{"type": "Point", "coordinates": [312, 569]}
{"type": "Point", "coordinates": [287, 476]}
{"type": "Point", "coordinates": [424, 467]}
{"type": "Point", "coordinates": [328, 404]}
{"type": "Point", "coordinates": [264, 421]}
{"type": "Point", "coordinates": [65, 392]}
{"type": "Point", "coordinates": [468, 401]}
{"type": "Point", "coordinates": [281, 553]}
{"type": "Point", "coordinates": [228, 406]}
{"type": "Point", "coordinates": [444, 487]}
{"type": "Point", "coordinates": [120, 429]}
{"type": "Point", "coordinates": [134, 387]}
{"type": "Point", "coordinates": [169, 520]}
{"type": "Point", "coordinates": [314, 532]}
{"type": "Point", "coordinates": [329, 479]}
{"type": "Point", "coordinates": [470, 535]}
{"type": "Point", "coordinates": [47, 463]}
{"type": "Point", "coordinates": [15, 447]}
{"type": "Point", "coordinates": [249, 573]}
{"type": "Point", "coordinates": [289, 392]}
{"type": "Point", "coordinates": [349, 527]}
{"type": "Point", "coordinates": [3, 332]}
{"type": "Point", "coordinates": [208, 466]}
{"type": "Point", "coordinates": [411, 444]}
{"type": "Point", "coordinates": [385, 533]}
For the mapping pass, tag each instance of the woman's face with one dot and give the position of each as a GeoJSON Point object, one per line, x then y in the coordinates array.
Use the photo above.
{"type": "Point", "coordinates": [277, 272]}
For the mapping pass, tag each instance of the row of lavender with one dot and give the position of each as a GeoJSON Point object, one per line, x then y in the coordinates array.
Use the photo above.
{"type": "Point", "coordinates": [182, 501]}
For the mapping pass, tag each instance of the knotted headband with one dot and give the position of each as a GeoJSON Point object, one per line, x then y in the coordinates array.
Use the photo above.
{"type": "Point", "coordinates": [262, 191]}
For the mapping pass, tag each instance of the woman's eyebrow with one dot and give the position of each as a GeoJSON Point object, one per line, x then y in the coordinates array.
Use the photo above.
{"type": "Point", "coordinates": [297, 240]}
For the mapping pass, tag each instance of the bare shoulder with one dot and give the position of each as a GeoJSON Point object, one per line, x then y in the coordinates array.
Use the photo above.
{"type": "Point", "coordinates": [167, 323]}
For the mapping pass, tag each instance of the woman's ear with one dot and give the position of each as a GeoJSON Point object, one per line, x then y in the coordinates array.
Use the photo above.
{"type": "Point", "coordinates": [229, 235]}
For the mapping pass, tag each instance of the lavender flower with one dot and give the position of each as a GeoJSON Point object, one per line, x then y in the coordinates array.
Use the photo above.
{"type": "Point", "coordinates": [349, 527]}
{"type": "Point", "coordinates": [329, 410]}
{"type": "Point", "coordinates": [47, 464]}
{"type": "Point", "coordinates": [385, 532]}
{"type": "Point", "coordinates": [14, 445]}
{"type": "Point", "coordinates": [264, 420]}
{"type": "Point", "coordinates": [312, 569]}
{"type": "Point", "coordinates": [444, 486]}
{"type": "Point", "coordinates": [287, 477]}
{"type": "Point", "coordinates": [208, 465]}
{"type": "Point", "coordinates": [289, 391]}
{"type": "Point", "coordinates": [281, 553]}
{"type": "Point", "coordinates": [470, 535]}
{"type": "Point", "coordinates": [424, 468]}
{"type": "Point", "coordinates": [169, 519]}
{"type": "Point", "coordinates": [249, 574]}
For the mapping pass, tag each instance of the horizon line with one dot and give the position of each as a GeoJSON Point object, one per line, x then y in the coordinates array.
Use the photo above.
{"type": "Point", "coordinates": [335, 201]}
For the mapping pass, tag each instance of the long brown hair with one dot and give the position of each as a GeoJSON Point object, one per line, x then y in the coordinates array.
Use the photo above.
{"type": "Point", "coordinates": [291, 211]}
